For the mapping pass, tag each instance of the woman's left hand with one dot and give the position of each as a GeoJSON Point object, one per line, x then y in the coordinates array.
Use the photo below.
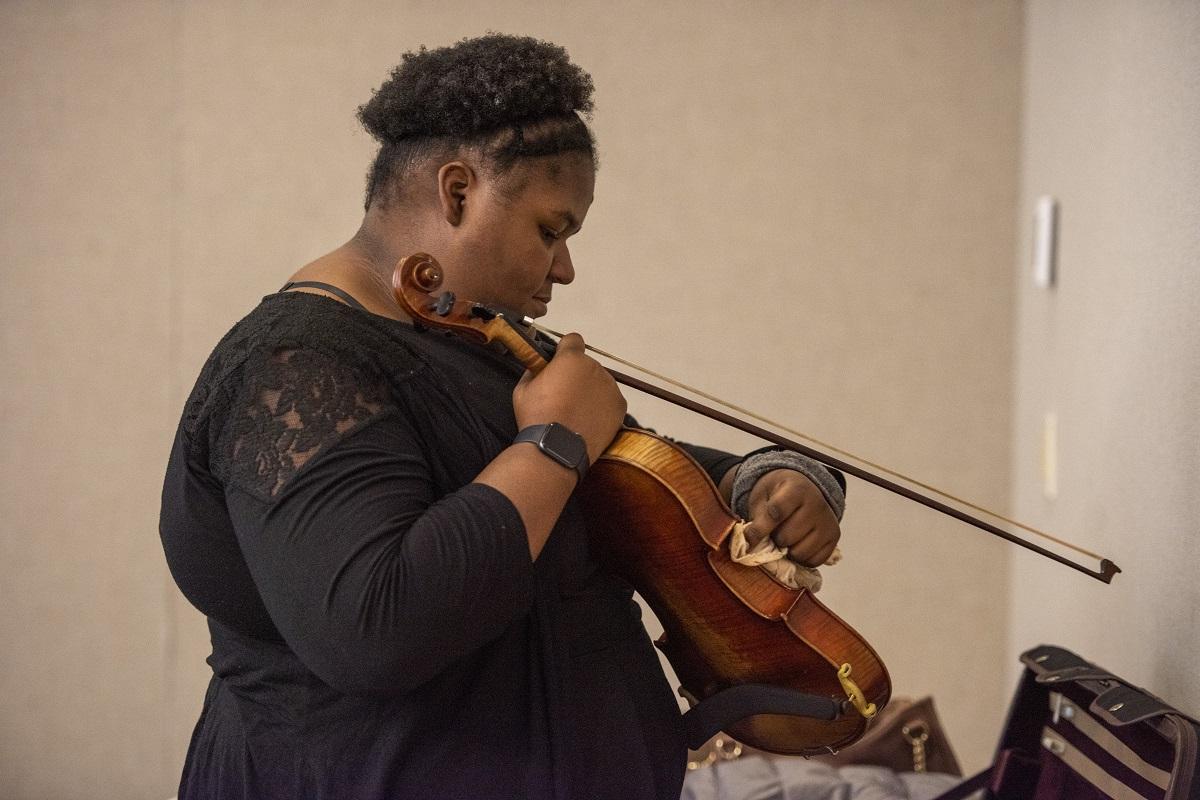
{"type": "Point", "coordinates": [789, 508]}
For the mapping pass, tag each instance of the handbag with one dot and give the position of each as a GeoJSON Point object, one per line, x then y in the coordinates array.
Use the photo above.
{"type": "Point", "coordinates": [1077, 732]}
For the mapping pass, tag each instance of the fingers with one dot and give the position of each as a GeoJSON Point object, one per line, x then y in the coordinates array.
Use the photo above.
{"type": "Point", "coordinates": [573, 390]}
{"type": "Point", "coordinates": [813, 549]}
{"type": "Point", "coordinates": [571, 343]}
{"type": "Point", "coordinates": [773, 502]}
{"type": "Point", "coordinates": [790, 509]}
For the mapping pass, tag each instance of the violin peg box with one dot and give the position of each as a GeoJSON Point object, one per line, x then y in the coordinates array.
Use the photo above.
{"type": "Point", "coordinates": [1077, 732]}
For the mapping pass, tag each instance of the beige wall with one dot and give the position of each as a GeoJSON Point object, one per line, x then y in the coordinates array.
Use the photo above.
{"type": "Point", "coordinates": [1112, 110]}
{"type": "Point", "coordinates": [807, 207]}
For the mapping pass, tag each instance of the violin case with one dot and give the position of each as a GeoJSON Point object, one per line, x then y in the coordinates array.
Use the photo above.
{"type": "Point", "coordinates": [1077, 732]}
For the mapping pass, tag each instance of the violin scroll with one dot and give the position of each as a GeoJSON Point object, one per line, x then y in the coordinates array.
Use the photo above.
{"type": "Point", "coordinates": [418, 276]}
{"type": "Point", "coordinates": [426, 273]}
{"type": "Point", "coordinates": [414, 281]}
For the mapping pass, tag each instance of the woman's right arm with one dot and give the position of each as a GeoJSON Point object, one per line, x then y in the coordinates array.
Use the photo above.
{"type": "Point", "coordinates": [576, 392]}
{"type": "Point", "coordinates": [375, 581]}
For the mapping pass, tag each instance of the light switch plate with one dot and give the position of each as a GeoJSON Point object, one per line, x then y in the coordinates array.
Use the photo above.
{"type": "Point", "coordinates": [1045, 241]}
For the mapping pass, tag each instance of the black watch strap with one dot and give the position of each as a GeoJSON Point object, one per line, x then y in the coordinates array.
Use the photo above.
{"type": "Point", "coordinates": [558, 442]}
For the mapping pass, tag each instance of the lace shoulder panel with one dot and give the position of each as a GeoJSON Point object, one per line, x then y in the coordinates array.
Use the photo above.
{"type": "Point", "coordinates": [290, 405]}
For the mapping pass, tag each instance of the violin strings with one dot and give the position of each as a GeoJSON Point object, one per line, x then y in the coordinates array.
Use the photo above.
{"type": "Point", "coordinates": [827, 446]}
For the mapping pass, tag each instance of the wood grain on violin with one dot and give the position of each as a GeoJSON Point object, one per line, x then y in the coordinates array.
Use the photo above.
{"type": "Point", "coordinates": [657, 520]}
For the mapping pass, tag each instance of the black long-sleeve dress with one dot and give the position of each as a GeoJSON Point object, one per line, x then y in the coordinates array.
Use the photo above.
{"type": "Point", "coordinates": [378, 627]}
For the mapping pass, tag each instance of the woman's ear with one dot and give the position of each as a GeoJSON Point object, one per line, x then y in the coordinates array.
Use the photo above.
{"type": "Point", "coordinates": [456, 180]}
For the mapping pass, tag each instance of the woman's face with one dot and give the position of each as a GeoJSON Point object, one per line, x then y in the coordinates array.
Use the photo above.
{"type": "Point", "coordinates": [510, 247]}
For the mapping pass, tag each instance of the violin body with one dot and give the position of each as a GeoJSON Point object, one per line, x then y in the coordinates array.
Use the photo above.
{"type": "Point", "coordinates": [657, 520]}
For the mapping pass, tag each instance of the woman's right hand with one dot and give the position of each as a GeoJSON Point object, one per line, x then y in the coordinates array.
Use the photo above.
{"type": "Point", "coordinates": [575, 391]}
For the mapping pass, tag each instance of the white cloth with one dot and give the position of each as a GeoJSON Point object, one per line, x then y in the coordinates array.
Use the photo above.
{"type": "Point", "coordinates": [759, 778]}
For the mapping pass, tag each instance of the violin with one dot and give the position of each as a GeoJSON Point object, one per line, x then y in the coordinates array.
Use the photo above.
{"type": "Point", "coordinates": [767, 663]}
{"type": "Point", "coordinates": [783, 672]}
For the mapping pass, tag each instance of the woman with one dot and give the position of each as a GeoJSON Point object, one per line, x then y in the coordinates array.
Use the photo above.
{"type": "Point", "coordinates": [378, 522]}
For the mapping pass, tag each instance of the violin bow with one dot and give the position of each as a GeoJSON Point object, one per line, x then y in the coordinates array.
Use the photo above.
{"type": "Point", "coordinates": [1104, 574]}
{"type": "Point", "coordinates": [419, 275]}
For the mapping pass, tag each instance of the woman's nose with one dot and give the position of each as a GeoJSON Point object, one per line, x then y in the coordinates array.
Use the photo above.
{"type": "Point", "coordinates": [562, 270]}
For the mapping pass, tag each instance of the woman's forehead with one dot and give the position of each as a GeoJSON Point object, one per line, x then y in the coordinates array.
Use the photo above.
{"type": "Point", "coordinates": [568, 175]}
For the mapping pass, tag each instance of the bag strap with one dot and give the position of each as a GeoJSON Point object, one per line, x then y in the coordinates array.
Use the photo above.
{"type": "Point", "coordinates": [1124, 705]}
{"type": "Point", "coordinates": [1117, 703]}
{"type": "Point", "coordinates": [329, 287]}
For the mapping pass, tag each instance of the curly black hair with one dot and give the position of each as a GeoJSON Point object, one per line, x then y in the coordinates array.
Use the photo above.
{"type": "Point", "coordinates": [515, 96]}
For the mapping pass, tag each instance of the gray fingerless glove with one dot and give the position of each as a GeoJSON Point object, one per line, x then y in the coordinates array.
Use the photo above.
{"type": "Point", "coordinates": [759, 464]}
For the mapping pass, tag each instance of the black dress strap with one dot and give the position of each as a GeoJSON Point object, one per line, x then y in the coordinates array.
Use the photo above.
{"type": "Point", "coordinates": [329, 287]}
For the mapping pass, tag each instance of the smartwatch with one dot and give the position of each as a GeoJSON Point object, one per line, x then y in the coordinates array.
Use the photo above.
{"type": "Point", "coordinates": [560, 443]}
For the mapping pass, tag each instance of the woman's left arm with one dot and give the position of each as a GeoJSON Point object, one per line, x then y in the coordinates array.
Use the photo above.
{"type": "Point", "coordinates": [799, 504]}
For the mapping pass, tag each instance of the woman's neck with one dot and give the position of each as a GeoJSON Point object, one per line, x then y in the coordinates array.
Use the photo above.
{"type": "Point", "coordinates": [360, 272]}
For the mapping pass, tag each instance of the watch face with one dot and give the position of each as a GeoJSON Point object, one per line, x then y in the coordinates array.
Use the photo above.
{"type": "Point", "coordinates": [564, 444]}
